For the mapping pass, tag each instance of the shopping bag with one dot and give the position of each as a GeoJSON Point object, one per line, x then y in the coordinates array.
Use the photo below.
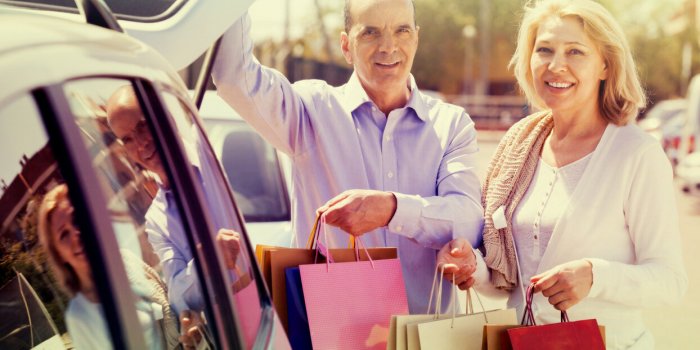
{"type": "Point", "coordinates": [576, 335]}
{"type": "Point", "coordinates": [350, 304]}
{"type": "Point", "coordinates": [440, 331]}
{"type": "Point", "coordinates": [495, 337]}
{"type": "Point", "coordinates": [462, 332]}
{"type": "Point", "coordinates": [276, 259]}
{"type": "Point", "coordinates": [299, 336]}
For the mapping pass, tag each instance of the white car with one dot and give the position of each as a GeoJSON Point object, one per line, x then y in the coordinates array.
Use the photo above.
{"type": "Point", "coordinates": [94, 277]}
{"type": "Point", "coordinates": [258, 175]}
{"type": "Point", "coordinates": [688, 171]}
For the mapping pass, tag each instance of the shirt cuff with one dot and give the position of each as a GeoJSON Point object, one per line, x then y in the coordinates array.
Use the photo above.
{"type": "Point", "coordinates": [481, 275]}
{"type": "Point", "coordinates": [600, 270]}
{"type": "Point", "coordinates": [407, 215]}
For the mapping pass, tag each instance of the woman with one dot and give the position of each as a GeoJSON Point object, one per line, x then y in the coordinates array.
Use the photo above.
{"type": "Point", "coordinates": [577, 199]}
{"type": "Point", "coordinates": [84, 316]}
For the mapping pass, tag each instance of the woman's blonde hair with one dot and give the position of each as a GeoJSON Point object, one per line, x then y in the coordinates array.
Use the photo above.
{"type": "Point", "coordinates": [621, 95]}
{"type": "Point", "coordinates": [64, 273]}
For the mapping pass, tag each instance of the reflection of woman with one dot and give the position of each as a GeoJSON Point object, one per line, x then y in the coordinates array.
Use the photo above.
{"type": "Point", "coordinates": [84, 316]}
{"type": "Point", "coordinates": [578, 200]}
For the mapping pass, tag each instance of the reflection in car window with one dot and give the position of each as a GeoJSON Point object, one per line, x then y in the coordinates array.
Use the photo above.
{"type": "Point", "coordinates": [45, 279]}
{"type": "Point", "coordinates": [237, 259]}
{"type": "Point", "coordinates": [144, 213]}
{"type": "Point", "coordinates": [252, 168]}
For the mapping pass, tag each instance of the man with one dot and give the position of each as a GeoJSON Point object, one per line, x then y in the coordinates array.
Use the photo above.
{"type": "Point", "coordinates": [376, 156]}
{"type": "Point", "coordinates": [164, 227]}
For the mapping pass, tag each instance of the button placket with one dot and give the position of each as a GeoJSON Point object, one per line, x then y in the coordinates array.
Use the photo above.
{"type": "Point", "coordinates": [390, 173]}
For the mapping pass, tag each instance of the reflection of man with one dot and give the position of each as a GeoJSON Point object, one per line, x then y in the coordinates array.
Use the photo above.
{"type": "Point", "coordinates": [389, 163]}
{"type": "Point", "coordinates": [163, 223]}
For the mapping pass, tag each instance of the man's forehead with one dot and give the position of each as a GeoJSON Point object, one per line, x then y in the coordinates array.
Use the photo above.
{"type": "Point", "coordinates": [377, 10]}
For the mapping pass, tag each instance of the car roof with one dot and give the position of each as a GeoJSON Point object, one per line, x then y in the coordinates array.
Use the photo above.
{"type": "Point", "coordinates": [181, 37]}
{"type": "Point", "coordinates": [74, 52]}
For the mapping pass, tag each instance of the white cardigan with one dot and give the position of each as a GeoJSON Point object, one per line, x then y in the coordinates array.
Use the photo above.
{"type": "Point", "coordinates": [623, 219]}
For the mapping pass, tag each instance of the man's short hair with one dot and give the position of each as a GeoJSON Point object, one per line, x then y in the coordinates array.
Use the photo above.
{"type": "Point", "coordinates": [348, 17]}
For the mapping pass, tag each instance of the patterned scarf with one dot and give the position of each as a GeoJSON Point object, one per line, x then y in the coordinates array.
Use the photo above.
{"type": "Point", "coordinates": [510, 172]}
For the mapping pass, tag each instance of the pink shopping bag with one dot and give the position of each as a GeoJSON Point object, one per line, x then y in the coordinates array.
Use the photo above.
{"type": "Point", "coordinates": [350, 304]}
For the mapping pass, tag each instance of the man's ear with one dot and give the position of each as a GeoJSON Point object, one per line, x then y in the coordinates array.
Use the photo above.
{"type": "Point", "coordinates": [345, 47]}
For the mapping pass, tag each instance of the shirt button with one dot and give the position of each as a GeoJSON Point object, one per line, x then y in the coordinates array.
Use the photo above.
{"type": "Point", "coordinates": [387, 137]}
{"type": "Point", "coordinates": [390, 174]}
{"type": "Point", "coordinates": [535, 236]}
{"type": "Point", "coordinates": [398, 228]}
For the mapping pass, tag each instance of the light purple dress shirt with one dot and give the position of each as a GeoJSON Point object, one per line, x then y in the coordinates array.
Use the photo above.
{"type": "Point", "coordinates": [425, 153]}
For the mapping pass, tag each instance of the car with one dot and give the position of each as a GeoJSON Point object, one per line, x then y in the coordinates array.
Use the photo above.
{"type": "Point", "coordinates": [257, 173]}
{"type": "Point", "coordinates": [86, 189]}
{"type": "Point", "coordinates": [688, 173]}
{"type": "Point", "coordinates": [665, 122]}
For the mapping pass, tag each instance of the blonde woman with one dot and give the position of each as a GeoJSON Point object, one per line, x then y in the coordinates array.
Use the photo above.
{"type": "Point", "coordinates": [84, 317]}
{"type": "Point", "coordinates": [577, 199]}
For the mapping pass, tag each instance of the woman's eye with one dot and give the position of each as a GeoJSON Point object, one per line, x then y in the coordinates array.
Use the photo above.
{"type": "Point", "coordinates": [543, 50]}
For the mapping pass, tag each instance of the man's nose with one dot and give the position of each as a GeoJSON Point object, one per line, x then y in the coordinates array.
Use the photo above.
{"type": "Point", "coordinates": [388, 42]}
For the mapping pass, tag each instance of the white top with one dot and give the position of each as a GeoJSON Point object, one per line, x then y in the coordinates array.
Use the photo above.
{"type": "Point", "coordinates": [86, 324]}
{"type": "Point", "coordinates": [542, 205]}
{"type": "Point", "coordinates": [622, 218]}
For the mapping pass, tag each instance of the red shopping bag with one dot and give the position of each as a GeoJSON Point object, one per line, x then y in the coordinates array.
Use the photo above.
{"type": "Point", "coordinates": [349, 305]}
{"type": "Point", "coordinates": [577, 335]}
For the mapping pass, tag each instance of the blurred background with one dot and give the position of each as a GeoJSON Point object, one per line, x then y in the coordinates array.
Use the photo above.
{"type": "Point", "coordinates": [463, 55]}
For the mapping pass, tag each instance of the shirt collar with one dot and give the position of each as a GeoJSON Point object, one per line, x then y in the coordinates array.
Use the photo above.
{"type": "Point", "coordinates": [356, 96]}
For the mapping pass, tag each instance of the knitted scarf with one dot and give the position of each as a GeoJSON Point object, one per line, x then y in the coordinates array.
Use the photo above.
{"type": "Point", "coordinates": [508, 178]}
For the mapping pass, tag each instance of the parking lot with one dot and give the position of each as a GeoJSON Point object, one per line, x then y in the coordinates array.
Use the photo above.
{"type": "Point", "coordinates": [674, 327]}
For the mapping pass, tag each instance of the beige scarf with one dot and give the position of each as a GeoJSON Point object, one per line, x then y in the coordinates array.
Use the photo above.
{"type": "Point", "coordinates": [507, 180]}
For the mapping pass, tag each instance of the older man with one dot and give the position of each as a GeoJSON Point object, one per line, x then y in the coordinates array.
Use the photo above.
{"type": "Point", "coordinates": [377, 156]}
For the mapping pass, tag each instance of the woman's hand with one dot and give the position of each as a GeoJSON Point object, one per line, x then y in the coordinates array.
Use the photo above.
{"type": "Point", "coordinates": [565, 285]}
{"type": "Point", "coordinates": [459, 261]}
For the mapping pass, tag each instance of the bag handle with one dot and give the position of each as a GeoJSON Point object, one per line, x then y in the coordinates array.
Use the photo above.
{"type": "Point", "coordinates": [529, 316]}
{"type": "Point", "coordinates": [438, 302]}
{"type": "Point", "coordinates": [323, 248]}
{"type": "Point", "coordinates": [313, 236]}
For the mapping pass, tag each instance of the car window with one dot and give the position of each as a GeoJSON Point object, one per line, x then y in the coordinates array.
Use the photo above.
{"type": "Point", "coordinates": [247, 296]}
{"type": "Point", "coordinates": [46, 282]}
{"type": "Point", "coordinates": [252, 168]}
{"type": "Point", "coordinates": [152, 235]}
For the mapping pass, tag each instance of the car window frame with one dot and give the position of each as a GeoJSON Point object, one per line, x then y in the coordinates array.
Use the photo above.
{"type": "Point", "coordinates": [266, 329]}
{"type": "Point", "coordinates": [73, 161]}
{"type": "Point", "coordinates": [74, 164]}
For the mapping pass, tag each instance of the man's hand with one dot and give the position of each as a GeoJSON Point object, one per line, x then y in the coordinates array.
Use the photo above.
{"type": "Point", "coordinates": [359, 211]}
{"type": "Point", "coordinates": [229, 242]}
{"type": "Point", "coordinates": [565, 285]}
{"type": "Point", "coordinates": [189, 329]}
{"type": "Point", "coordinates": [459, 260]}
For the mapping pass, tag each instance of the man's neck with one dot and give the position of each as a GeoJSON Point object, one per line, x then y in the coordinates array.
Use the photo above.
{"type": "Point", "coordinates": [390, 99]}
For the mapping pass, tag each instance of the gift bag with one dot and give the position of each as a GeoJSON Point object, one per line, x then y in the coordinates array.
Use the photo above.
{"type": "Point", "coordinates": [350, 304]}
{"type": "Point", "coordinates": [576, 335]}
{"type": "Point", "coordinates": [274, 260]}
{"type": "Point", "coordinates": [458, 332]}
{"type": "Point", "coordinates": [299, 336]}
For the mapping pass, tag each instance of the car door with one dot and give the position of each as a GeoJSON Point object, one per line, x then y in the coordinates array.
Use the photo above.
{"type": "Point", "coordinates": [114, 192]}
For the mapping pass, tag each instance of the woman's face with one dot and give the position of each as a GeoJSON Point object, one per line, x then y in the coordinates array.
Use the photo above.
{"type": "Point", "coordinates": [66, 237]}
{"type": "Point", "coordinates": [567, 67]}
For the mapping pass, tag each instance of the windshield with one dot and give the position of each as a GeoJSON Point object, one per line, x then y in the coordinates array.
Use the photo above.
{"type": "Point", "coordinates": [134, 10]}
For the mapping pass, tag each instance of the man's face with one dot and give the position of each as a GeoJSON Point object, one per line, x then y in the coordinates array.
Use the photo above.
{"type": "Point", "coordinates": [128, 124]}
{"type": "Point", "coordinates": [381, 44]}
